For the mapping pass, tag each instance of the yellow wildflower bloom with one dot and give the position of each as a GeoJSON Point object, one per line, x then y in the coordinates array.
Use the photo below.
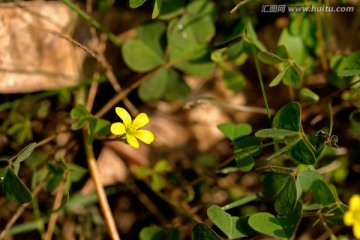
{"type": "Point", "coordinates": [132, 129]}
{"type": "Point", "coordinates": [352, 217]}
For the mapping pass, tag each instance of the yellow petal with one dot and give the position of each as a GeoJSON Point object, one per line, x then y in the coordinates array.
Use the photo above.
{"type": "Point", "coordinates": [144, 135]}
{"type": "Point", "coordinates": [140, 121]}
{"type": "Point", "coordinates": [132, 141]}
{"type": "Point", "coordinates": [348, 218]}
{"type": "Point", "coordinates": [354, 203]}
{"type": "Point", "coordinates": [117, 128]}
{"type": "Point", "coordinates": [124, 115]}
{"type": "Point", "coordinates": [356, 230]}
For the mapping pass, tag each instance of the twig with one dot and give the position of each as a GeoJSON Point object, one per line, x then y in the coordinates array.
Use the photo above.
{"type": "Point", "coordinates": [95, 176]}
{"type": "Point", "coordinates": [19, 211]}
{"type": "Point", "coordinates": [113, 38]}
{"type": "Point", "coordinates": [92, 93]}
{"type": "Point", "coordinates": [146, 201]}
{"type": "Point", "coordinates": [239, 5]}
{"type": "Point", "coordinates": [56, 206]}
{"type": "Point", "coordinates": [99, 56]}
{"type": "Point", "coordinates": [209, 100]}
{"type": "Point", "coordinates": [119, 96]}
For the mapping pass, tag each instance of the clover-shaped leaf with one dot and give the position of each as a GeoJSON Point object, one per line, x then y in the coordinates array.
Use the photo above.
{"type": "Point", "coordinates": [282, 188]}
{"type": "Point", "coordinates": [233, 227]}
{"type": "Point", "coordinates": [234, 131]}
{"type": "Point", "coordinates": [80, 114]}
{"type": "Point", "coordinates": [14, 189]}
{"type": "Point", "coordinates": [146, 52]}
{"type": "Point", "coordinates": [203, 232]}
{"type": "Point", "coordinates": [245, 160]}
{"type": "Point", "coordinates": [281, 227]}
{"type": "Point", "coordinates": [270, 58]}
{"type": "Point", "coordinates": [268, 224]}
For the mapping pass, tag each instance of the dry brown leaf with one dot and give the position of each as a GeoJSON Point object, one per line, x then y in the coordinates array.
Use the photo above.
{"type": "Point", "coordinates": [112, 170]}
{"type": "Point", "coordinates": [34, 55]}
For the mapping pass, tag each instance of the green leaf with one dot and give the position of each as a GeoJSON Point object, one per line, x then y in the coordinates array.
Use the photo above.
{"type": "Point", "coordinates": [80, 114]}
{"type": "Point", "coordinates": [322, 193]}
{"type": "Point", "coordinates": [278, 78]}
{"type": "Point", "coordinates": [303, 153]}
{"type": "Point", "coordinates": [139, 57]}
{"type": "Point", "coordinates": [294, 46]}
{"type": "Point", "coordinates": [234, 80]}
{"type": "Point", "coordinates": [156, 10]}
{"type": "Point", "coordinates": [305, 180]}
{"type": "Point", "coordinates": [162, 166]}
{"type": "Point", "coordinates": [158, 182]}
{"type": "Point", "coordinates": [233, 227]}
{"type": "Point", "coordinates": [355, 120]}
{"type": "Point", "coordinates": [281, 52]}
{"type": "Point", "coordinates": [102, 127]}
{"type": "Point", "coordinates": [281, 187]}
{"type": "Point", "coordinates": [288, 117]}
{"type": "Point", "coordinates": [253, 40]}
{"type": "Point", "coordinates": [155, 87]}
{"type": "Point", "coordinates": [158, 233]}
{"type": "Point", "coordinates": [275, 133]}
{"type": "Point", "coordinates": [152, 233]}
{"type": "Point", "coordinates": [312, 181]}
{"type": "Point", "coordinates": [233, 131]}
{"type": "Point", "coordinates": [284, 149]}
{"type": "Point", "coordinates": [98, 127]}
{"type": "Point", "coordinates": [54, 182]}
{"type": "Point", "coordinates": [76, 172]}
{"type": "Point", "coordinates": [56, 176]}
{"type": "Point", "coordinates": [245, 164]}
{"type": "Point", "coordinates": [153, 35]}
{"type": "Point", "coordinates": [290, 221]}
{"type": "Point", "coordinates": [348, 72]}
{"type": "Point", "coordinates": [143, 171]}
{"type": "Point", "coordinates": [292, 76]}
{"type": "Point", "coordinates": [24, 153]}
{"type": "Point", "coordinates": [166, 85]}
{"type": "Point", "coordinates": [203, 232]}
{"type": "Point", "coordinates": [14, 189]}
{"type": "Point", "coordinates": [201, 7]}
{"type": "Point", "coordinates": [171, 8]}
{"type": "Point", "coordinates": [309, 96]}
{"type": "Point", "coordinates": [245, 161]}
{"type": "Point", "coordinates": [185, 43]}
{"type": "Point", "coordinates": [136, 3]}
{"type": "Point", "coordinates": [270, 58]}
{"type": "Point", "coordinates": [268, 224]}
{"type": "Point", "coordinates": [176, 88]}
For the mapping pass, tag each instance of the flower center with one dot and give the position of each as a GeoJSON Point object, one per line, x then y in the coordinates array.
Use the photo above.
{"type": "Point", "coordinates": [130, 130]}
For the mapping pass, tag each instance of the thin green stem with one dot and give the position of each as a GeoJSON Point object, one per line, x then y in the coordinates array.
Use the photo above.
{"type": "Point", "coordinates": [247, 150]}
{"type": "Point", "coordinates": [112, 37]}
{"type": "Point", "coordinates": [243, 201]}
{"type": "Point", "coordinates": [258, 70]}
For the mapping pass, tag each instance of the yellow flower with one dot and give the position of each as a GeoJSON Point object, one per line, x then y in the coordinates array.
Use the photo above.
{"type": "Point", "coordinates": [352, 217]}
{"type": "Point", "coordinates": [132, 129]}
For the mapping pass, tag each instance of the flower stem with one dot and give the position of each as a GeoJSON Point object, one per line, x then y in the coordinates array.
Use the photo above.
{"type": "Point", "coordinates": [258, 70]}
